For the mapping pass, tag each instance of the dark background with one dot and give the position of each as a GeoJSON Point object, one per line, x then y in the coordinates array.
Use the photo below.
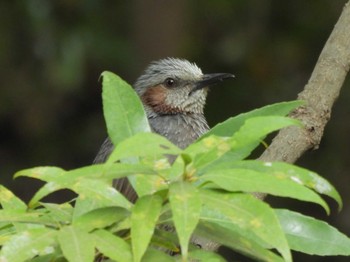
{"type": "Point", "coordinates": [52, 53]}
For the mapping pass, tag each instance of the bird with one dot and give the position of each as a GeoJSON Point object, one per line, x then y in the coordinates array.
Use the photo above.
{"type": "Point", "coordinates": [173, 92]}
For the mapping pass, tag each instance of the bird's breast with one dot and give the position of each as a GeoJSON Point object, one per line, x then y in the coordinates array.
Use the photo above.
{"type": "Point", "coordinates": [180, 129]}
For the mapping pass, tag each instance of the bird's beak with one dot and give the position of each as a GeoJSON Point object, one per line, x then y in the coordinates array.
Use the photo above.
{"type": "Point", "coordinates": [211, 79]}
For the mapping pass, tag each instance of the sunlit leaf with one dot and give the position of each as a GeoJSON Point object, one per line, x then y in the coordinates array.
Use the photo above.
{"type": "Point", "coordinates": [146, 184]}
{"type": "Point", "coordinates": [143, 144]}
{"type": "Point", "coordinates": [11, 216]}
{"type": "Point", "coordinates": [144, 216]}
{"type": "Point", "coordinates": [61, 213]}
{"type": "Point", "coordinates": [157, 256]}
{"type": "Point", "coordinates": [250, 134]}
{"type": "Point", "coordinates": [312, 236]}
{"type": "Point", "coordinates": [207, 150]}
{"type": "Point", "coordinates": [28, 244]}
{"type": "Point", "coordinates": [100, 218]}
{"type": "Point", "coordinates": [186, 206]}
{"type": "Point", "coordinates": [112, 246]}
{"type": "Point", "coordinates": [101, 191]}
{"type": "Point", "coordinates": [284, 171]}
{"type": "Point", "coordinates": [247, 180]}
{"type": "Point", "coordinates": [76, 244]}
{"type": "Point", "coordinates": [9, 201]}
{"type": "Point", "coordinates": [122, 108]}
{"type": "Point", "coordinates": [220, 230]}
{"type": "Point", "coordinates": [246, 212]}
{"type": "Point", "coordinates": [233, 124]}
{"type": "Point", "coordinates": [256, 128]}
{"type": "Point", "coordinates": [44, 173]}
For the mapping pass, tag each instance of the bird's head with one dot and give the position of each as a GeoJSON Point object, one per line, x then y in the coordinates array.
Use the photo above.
{"type": "Point", "coordinates": [175, 86]}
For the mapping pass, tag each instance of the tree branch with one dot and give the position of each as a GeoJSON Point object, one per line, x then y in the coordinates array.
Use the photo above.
{"type": "Point", "coordinates": [319, 94]}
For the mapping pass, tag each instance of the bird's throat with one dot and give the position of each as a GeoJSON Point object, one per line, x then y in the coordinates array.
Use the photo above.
{"type": "Point", "coordinates": [180, 129]}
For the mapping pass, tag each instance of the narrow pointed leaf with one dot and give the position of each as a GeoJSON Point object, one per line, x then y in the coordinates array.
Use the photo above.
{"type": "Point", "coordinates": [112, 246]}
{"type": "Point", "coordinates": [61, 213]}
{"type": "Point", "coordinates": [58, 179]}
{"type": "Point", "coordinates": [283, 170]}
{"type": "Point", "coordinates": [246, 180]}
{"type": "Point", "coordinates": [157, 256]}
{"type": "Point", "coordinates": [312, 236]}
{"type": "Point", "coordinates": [44, 173]}
{"type": "Point", "coordinates": [9, 201]}
{"type": "Point", "coordinates": [12, 216]}
{"type": "Point", "coordinates": [103, 192]}
{"type": "Point", "coordinates": [248, 213]}
{"type": "Point", "coordinates": [146, 184]}
{"type": "Point", "coordinates": [185, 206]}
{"type": "Point", "coordinates": [122, 108]}
{"type": "Point", "coordinates": [217, 228]}
{"type": "Point", "coordinates": [233, 124]}
{"type": "Point", "coordinates": [144, 217]}
{"type": "Point", "coordinates": [28, 244]}
{"type": "Point", "coordinates": [208, 150]}
{"type": "Point", "coordinates": [100, 218]}
{"type": "Point", "coordinates": [76, 244]}
{"type": "Point", "coordinates": [255, 129]}
{"type": "Point", "coordinates": [143, 145]}
{"type": "Point", "coordinates": [44, 191]}
{"type": "Point", "coordinates": [212, 148]}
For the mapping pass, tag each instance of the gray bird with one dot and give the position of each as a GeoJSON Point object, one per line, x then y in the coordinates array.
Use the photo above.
{"type": "Point", "coordinates": [173, 92]}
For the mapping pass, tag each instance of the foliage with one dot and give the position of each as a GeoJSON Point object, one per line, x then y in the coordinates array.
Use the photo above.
{"type": "Point", "coordinates": [205, 192]}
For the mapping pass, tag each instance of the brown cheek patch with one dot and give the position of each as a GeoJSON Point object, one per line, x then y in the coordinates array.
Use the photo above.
{"type": "Point", "coordinates": [155, 97]}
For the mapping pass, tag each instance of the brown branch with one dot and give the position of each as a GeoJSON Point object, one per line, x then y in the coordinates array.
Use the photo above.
{"type": "Point", "coordinates": [319, 94]}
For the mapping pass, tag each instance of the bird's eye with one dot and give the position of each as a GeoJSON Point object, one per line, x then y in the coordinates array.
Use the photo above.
{"type": "Point", "coordinates": [169, 82]}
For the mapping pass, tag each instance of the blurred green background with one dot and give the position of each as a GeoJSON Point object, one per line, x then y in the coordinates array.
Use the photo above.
{"type": "Point", "coordinates": [52, 53]}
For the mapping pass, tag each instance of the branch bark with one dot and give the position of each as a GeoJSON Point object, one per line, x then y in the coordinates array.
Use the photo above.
{"type": "Point", "coordinates": [320, 93]}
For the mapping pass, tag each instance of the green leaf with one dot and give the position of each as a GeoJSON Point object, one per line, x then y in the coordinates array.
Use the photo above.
{"type": "Point", "coordinates": [233, 124]}
{"type": "Point", "coordinates": [56, 257]}
{"type": "Point", "coordinates": [12, 216]}
{"type": "Point", "coordinates": [207, 150]}
{"type": "Point", "coordinates": [86, 204]}
{"type": "Point", "coordinates": [186, 206]}
{"type": "Point", "coordinates": [311, 236]}
{"type": "Point", "coordinates": [76, 244]}
{"type": "Point", "coordinates": [144, 217]}
{"type": "Point", "coordinates": [43, 172]}
{"type": "Point", "coordinates": [146, 184]}
{"type": "Point", "coordinates": [9, 201]}
{"type": "Point", "coordinates": [143, 145]}
{"type": "Point", "coordinates": [61, 213]}
{"type": "Point", "coordinates": [255, 129]}
{"type": "Point", "coordinates": [60, 179]}
{"type": "Point", "coordinates": [112, 246]}
{"type": "Point", "coordinates": [221, 231]}
{"type": "Point", "coordinates": [212, 148]}
{"type": "Point", "coordinates": [103, 192]}
{"type": "Point", "coordinates": [246, 212]}
{"type": "Point", "coordinates": [28, 244]}
{"type": "Point", "coordinates": [100, 218]}
{"type": "Point", "coordinates": [156, 256]}
{"type": "Point", "coordinates": [122, 108]}
{"type": "Point", "coordinates": [252, 181]}
{"type": "Point", "coordinates": [164, 239]}
{"type": "Point", "coordinates": [307, 178]}
{"type": "Point", "coordinates": [45, 190]}
{"type": "Point", "coordinates": [283, 171]}
{"type": "Point", "coordinates": [119, 170]}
